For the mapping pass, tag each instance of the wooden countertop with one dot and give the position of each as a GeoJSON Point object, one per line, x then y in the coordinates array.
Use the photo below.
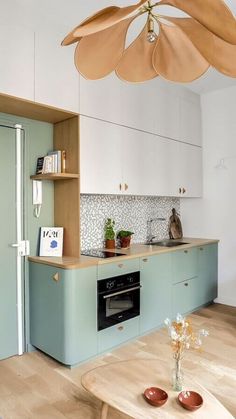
{"type": "Point", "coordinates": [135, 251]}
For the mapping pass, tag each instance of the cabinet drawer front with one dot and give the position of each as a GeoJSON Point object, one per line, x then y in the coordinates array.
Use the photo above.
{"type": "Point", "coordinates": [184, 265]}
{"type": "Point", "coordinates": [186, 296]}
{"type": "Point", "coordinates": [115, 335]}
{"type": "Point", "coordinates": [119, 268]}
{"type": "Point", "coordinates": [155, 295]}
{"type": "Point", "coordinates": [208, 271]}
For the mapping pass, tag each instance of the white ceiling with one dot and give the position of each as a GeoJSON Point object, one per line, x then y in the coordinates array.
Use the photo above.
{"type": "Point", "coordinates": [70, 13]}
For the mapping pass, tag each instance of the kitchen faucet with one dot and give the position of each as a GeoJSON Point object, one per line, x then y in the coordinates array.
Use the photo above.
{"type": "Point", "coordinates": [150, 236]}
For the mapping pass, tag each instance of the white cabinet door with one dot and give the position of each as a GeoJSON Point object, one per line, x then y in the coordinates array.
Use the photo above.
{"type": "Point", "coordinates": [138, 110]}
{"type": "Point", "coordinates": [190, 121]}
{"type": "Point", "coordinates": [167, 112]}
{"type": "Point", "coordinates": [101, 99]}
{"type": "Point", "coordinates": [148, 164]}
{"type": "Point", "coordinates": [121, 160]}
{"type": "Point", "coordinates": [190, 171]}
{"type": "Point", "coordinates": [151, 107]}
{"type": "Point", "coordinates": [138, 162]}
{"type": "Point", "coordinates": [56, 78]}
{"type": "Point", "coordinates": [17, 61]}
{"type": "Point", "coordinates": [166, 168]}
{"type": "Point", "coordinates": [100, 157]}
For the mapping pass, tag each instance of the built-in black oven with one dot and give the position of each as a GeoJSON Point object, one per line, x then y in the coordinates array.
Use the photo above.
{"type": "Point", "coordinates": [118, 299]}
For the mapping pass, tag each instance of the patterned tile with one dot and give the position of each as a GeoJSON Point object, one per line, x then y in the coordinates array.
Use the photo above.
{"type": "Point", "coordinates": [129, 213]}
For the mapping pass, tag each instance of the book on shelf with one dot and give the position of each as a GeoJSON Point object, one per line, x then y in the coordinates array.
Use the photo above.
{"type": "Point", "coordinates": [63, 161]}
{"type": "Point", "coordinates": [56, 157]}
{"type": "Point", "coordinates": [48, 164]}
{"type": "Point", "coordinates": [53, 162]}
{"type": "Point", "coordinates": [51, 241]}
{"type": "Point", "coordinates": [39, 165]}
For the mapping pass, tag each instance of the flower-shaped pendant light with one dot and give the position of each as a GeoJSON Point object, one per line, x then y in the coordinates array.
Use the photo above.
{"type": "Point", "coordinates": [178, 49]}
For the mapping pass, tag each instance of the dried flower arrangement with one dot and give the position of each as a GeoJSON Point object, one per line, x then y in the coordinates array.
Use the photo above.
{"type": "Point", "coordinates": [182, 338]}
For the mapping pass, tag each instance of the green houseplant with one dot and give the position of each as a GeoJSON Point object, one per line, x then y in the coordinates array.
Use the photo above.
{"type": "Point", "coordinates": [109, 234]}
{"type": "Point", "coordinates": [124, 237]}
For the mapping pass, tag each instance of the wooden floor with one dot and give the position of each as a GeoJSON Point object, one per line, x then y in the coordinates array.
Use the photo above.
{"type": "Point", "coordinates": [36, 386]}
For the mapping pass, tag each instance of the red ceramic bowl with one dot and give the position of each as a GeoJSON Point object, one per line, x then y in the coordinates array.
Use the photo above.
{"type": "Point", "coordinates": [155, 396]}
{"type": "Point", "coordinates": [190, 400]}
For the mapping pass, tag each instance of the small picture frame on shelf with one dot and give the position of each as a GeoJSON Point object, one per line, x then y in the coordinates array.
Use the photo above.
{"type": "Point", "coordinates": [51, 241]}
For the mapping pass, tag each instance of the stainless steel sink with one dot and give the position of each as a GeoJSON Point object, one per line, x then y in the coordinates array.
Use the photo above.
{"type": "Point", "coordinates": [166, 243]}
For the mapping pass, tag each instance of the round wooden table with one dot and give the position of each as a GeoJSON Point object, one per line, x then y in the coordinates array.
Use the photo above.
{"type": "Point", "coordinates": [121, 385]}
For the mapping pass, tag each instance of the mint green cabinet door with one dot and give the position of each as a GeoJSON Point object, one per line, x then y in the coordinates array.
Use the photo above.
{"type": "Point", "coordinates": [109, 270]}
{"type": "Point", "coordinates": [186, 296]}
{"type": "Point", "coordinates": [155, 303]}
{"type": "Point", "coordinates": [63, 318]}
{"type": "Point", "coordinates": [8, 255]}
{"type": "Point", "coordinates": [118, 334]}
{"type": "Point", "coordinates": [184, 265]}
{"type": "Point", "coordinates": [208, 271]}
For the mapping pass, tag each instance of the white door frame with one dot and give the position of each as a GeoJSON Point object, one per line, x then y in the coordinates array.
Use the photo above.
{"type": "Point", "coordinates": [19, 241]}
{"type": "Point", "coordinates": [19, 238]}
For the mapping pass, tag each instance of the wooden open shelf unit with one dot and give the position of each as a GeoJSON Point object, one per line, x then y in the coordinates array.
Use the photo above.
{"type": "Point", "coordinates": [66, 137]}
{"type": "Point", "coordinates": [67, 196]}
{"type": "Point", "coordinates": [32, 110]}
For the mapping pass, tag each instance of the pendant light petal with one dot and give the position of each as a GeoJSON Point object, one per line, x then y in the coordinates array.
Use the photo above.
{"type": "Point", "coordinates": [97, 55]}
{"type": "Point", "coordinates": [175, 57]}
{"type": "Point", "coordinates": [218, 53]}
{"type": "Point", "coordinates": [213, 14]}
{"type": "Point", "coordinates": [71, 38]}
{"type": "Point", "coordinates": [104, 19]}
{"type": "Point", "coordinates": [136, 63]}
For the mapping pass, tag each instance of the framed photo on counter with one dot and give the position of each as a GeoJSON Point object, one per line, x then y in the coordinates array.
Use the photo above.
{"type": "Point", "coordinates": [51, 241]}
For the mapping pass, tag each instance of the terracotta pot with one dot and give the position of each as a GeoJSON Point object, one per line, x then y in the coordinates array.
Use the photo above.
{"type": "Point", "coordinates": [110, 244]}
{"type": "Point", "coordinates": [125, 242]}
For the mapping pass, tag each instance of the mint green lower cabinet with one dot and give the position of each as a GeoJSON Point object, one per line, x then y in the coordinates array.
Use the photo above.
{"type": "Point", "coordinates": [208, 272]}
{"type": "Point", "coordinates": [63, 302]}
{"type": "Point", "coordinates": [156, 281]}
{"type": "Point", "coordinates": [184, 265]}
{"type": "Point", "coordinates": [63, 318]}
{"type": "Point", "coordinates": [109, 270]}
{"type": "Point", "coordinates": [186, 296]}
{"type": "Point", "coordinates": [118, 334]}
{"type": "Point", "coordinates": [202, 288]}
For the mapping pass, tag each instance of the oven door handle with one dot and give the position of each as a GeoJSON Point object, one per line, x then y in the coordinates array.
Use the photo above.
{"type": "Point", "coordinates": [122, 292]}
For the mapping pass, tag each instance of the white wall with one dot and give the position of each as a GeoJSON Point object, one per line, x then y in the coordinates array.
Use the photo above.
{"type": "Point", "coordinates": [214, 216]}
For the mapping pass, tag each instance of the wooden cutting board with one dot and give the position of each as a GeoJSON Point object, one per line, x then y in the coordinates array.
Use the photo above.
{"type": "Point", "coordinates": [175, 226]}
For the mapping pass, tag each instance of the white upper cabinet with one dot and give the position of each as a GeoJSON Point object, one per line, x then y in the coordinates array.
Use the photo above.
{"type": "Point", "coordinates": [151, 107]}
{"type": "Point", "coordinates": [190, 121]}
{"type": "Point", "coordinates": [147, 164]}
{"type": "Point", "coordinates": [56, 78]}
{"type": "Point", "coordinates": [120, 160]}
{"type": "Point", "coordinates": [190, 171]}
{"type": "Point", "coordinates": [17, 61]}
{"type": "Point", "coordinates": [101, 99]}
{"type": "Point", "coordinates": [100, 157]}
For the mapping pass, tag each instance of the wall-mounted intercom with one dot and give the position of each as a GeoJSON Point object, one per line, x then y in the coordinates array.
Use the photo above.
{"type": "Point", "coordinates": [37, 197]}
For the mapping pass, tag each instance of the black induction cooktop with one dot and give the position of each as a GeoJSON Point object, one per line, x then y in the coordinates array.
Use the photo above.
{"type": "Point", "coordinates": [98, 253]}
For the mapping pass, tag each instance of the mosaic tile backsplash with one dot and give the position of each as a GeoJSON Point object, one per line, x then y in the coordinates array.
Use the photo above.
{"type": "Point", "coordinates": [129, 213]}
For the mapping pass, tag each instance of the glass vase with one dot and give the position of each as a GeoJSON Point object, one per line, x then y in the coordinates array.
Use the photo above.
{"type": "Point", "coordinates": [177, 376]}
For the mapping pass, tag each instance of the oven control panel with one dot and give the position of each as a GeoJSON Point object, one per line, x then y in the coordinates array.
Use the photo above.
{"type": "Point", "coordinates": [119, 282]}
{"type": "Point", "coordinates": [111, 284]}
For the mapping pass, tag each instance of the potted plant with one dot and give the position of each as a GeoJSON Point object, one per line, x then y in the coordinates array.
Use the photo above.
{"type": "Point", "coordinates": [109, 234]}
{"type": "Point", "coordinates": [124, 237]}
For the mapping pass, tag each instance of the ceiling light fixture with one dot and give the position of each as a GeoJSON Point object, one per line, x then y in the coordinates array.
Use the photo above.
{"type": "Point", "coordinates": [178, 49]}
